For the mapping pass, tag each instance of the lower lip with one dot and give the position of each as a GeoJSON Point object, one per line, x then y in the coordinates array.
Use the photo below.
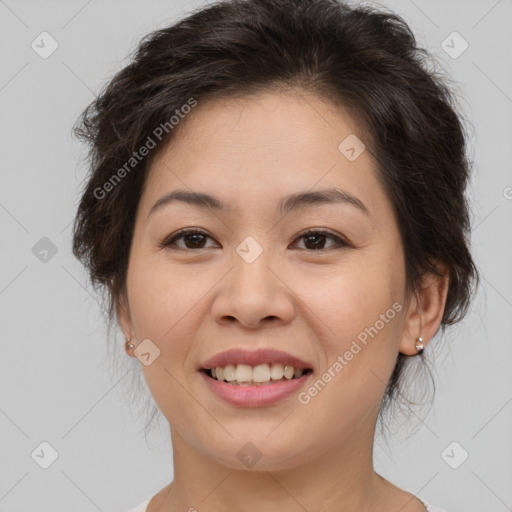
{"type": "Point", "coordinates": [254, 396]}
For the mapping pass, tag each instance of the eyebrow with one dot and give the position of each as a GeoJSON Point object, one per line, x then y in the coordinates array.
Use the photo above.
{"type": "Point", "coordinates": [286, 205]}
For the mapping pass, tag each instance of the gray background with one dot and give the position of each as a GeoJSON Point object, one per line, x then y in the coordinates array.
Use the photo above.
{"type": "Point", "coordinates": [55, 380]}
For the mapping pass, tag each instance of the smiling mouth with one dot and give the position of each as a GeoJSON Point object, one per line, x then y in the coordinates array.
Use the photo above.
{"type": "Point", "coordinates": [260, 375]}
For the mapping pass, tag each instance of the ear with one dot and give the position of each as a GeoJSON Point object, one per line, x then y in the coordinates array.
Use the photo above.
{"type": "Point", "coordinates": [124, 319]}
{"type": "Point", "coordinates": [426, 310]}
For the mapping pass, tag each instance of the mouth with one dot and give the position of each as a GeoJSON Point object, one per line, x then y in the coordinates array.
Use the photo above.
{"type": "Point", "coordinates": [255, 378]}
{"type": "Point", "coordinates": [260, 375]}
{"type": "Point", "coordinates": [255, 368]}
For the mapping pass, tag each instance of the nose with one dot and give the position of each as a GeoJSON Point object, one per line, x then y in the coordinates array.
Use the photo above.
{"type": "Point", "coordinates": [254, 295]}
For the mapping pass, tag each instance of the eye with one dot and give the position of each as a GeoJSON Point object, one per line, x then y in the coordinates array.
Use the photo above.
{"type": "Point", "coordinates": [315, 238]}
{"type": "Point", "coordinates": [193, 237]}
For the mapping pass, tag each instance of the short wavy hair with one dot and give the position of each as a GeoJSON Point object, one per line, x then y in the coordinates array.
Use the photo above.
{"type": "Point", "coordinates": [361, 58]}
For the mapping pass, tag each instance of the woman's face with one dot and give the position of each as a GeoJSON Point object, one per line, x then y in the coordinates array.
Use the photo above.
{"type": "Point", "coordinates": [252, 280]}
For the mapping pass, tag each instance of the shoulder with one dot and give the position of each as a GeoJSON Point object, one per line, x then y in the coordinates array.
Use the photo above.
{"type": "Point", "coordinates": [430, 508]}
{"type": "Point", "coordinates": [144, 505]}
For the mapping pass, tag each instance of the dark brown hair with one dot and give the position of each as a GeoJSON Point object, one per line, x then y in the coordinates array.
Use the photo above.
{"type": "Point", "coordinates": [364, 59]}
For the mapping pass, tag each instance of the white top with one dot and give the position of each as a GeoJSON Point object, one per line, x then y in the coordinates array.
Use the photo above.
{"type": "Point", "coordinates": [144, 505]}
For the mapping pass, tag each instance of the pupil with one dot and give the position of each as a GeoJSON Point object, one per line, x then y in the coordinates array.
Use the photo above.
{"type": "Point", "coordinates": [315, 246]}
{"type": "Point", "coordinates": [198, 240]}
{"type": "Point", "coordinates": [195, 237]}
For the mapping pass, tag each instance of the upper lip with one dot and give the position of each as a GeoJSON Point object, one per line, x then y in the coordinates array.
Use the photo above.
{"type": "Point", "coordinates": [254, 358]}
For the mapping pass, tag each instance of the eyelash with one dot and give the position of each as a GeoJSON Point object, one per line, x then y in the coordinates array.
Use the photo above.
{"type": "Point", "coordinates": [169, 242]}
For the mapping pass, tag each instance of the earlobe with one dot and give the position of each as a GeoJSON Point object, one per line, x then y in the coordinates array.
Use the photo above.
{"type": "Point", "coordinates": [124, 321]}
{"type": "Point", "coordinates": [425, 312]}
{"type": "Point", "coordinates": [419, 345]}
{"type": "Point", "coordinates": [128, 347]}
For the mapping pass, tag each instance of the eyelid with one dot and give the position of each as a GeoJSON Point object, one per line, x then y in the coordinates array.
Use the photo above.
{"type": "Point", "coordinates": [341, 242]}
{"type": "Point", "coordinates": [167, 242]}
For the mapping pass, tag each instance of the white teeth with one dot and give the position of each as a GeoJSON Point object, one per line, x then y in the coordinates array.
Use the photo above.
{"type": "Point", "coordinates": [277, 371]}
{"type": "Point", "coordinates": [261, 373]}
{"type": "Point", "coordinates": [288, 371]}
{"type": "Point", "coordinates": [246, 375]}
{"type": "Point", "coordinates": [230, 372]}
{"type": "Point", "coordinates": [243, 373]}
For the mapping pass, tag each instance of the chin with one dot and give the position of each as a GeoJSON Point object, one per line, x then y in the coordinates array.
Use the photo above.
{"type": "Point", "coordinates": [255, 450]}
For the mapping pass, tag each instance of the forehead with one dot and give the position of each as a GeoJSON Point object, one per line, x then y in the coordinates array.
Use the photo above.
{"type": "Point", "coordinates": [269, 123]}
{"type": "Point", "coordinates": [267, 144]}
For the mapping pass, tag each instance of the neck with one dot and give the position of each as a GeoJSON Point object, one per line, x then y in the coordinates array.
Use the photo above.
{"type": "Point", "coordinates": [341, 478]}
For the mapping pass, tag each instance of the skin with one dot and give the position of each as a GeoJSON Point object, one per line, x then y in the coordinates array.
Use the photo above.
{"type": "Point", "coordinates": [194, 303]}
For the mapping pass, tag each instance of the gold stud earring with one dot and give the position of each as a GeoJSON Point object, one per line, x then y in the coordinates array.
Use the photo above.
{"type": "Point", "coordinates": [419, 345]}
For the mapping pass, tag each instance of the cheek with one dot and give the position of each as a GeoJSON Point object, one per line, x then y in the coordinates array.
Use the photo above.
{"type": "Point", "coordinates": [162, 310]}
{"type": "Point", "coordinates": [351, 298]}
{"type": "Point", "coordinates": [162, 296]}
{"type": "Point", "coordinates": [162, 302]}
{"type": "Point", "coordinates": [361, 311]}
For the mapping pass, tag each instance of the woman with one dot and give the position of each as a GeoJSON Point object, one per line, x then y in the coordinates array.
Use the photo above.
{"type": "Point", "coordinates": [276, 208]}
